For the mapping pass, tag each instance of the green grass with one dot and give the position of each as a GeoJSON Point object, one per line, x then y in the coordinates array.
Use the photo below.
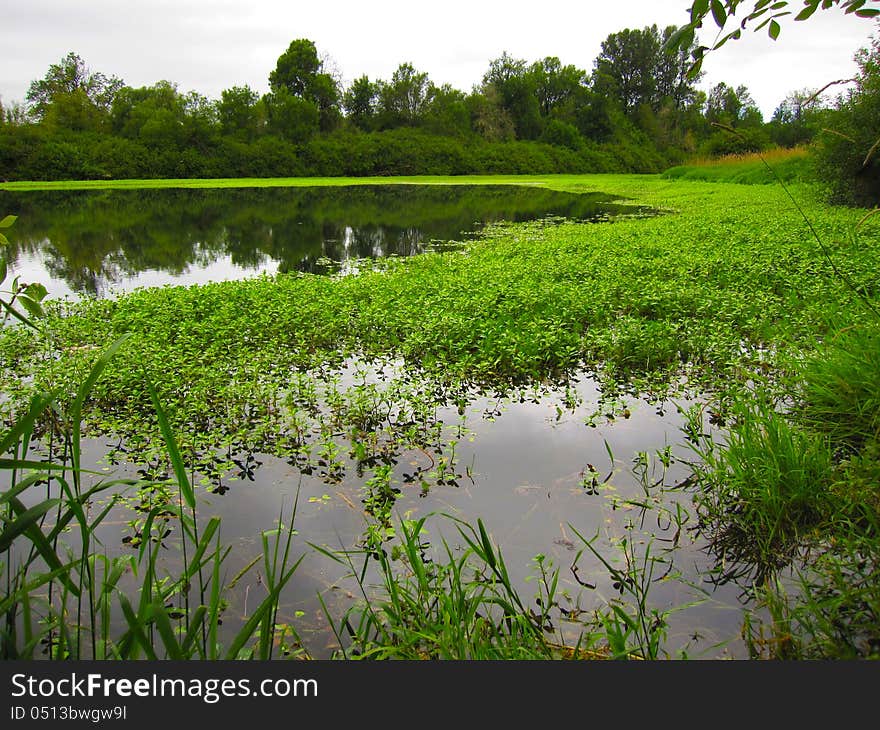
{"type": "Point", "coordinates": [753, 169]}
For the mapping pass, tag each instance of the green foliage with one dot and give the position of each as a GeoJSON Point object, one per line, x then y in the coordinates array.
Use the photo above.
{"type": "Point", "coordinates": [846, 149]}
{"type": "Point", "coordinates": [763, 14]}
{"type": "Point", "coordinates": [727, 291]}
{"type": "Point", "coordinates": [291, 117]}
{"type": "Point", "coordinates": [841, 387]}
{"type": "Point", "coordinates": [746, 171]}
{"type": "Point", "coordinates": [91, 125]}
{"type": "Point", "coordinates": [453, 606]}
{"type": "Point", "coordinates": [763, 492]}
{"type": "Point", "coordinates": [635, 299]}
{"type": "Point", "coordinates": [300, 73]}
{"type": "Point", "coordinates": [70, 96]}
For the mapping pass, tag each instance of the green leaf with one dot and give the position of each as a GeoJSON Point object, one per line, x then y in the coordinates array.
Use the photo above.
{"type": "Point", "coordinates": [718, 13]}
{"type": "Point", "coordinates": [26, 422]}
{"type": "Point", "coordinates": [25, 520]}
{"type": "Point", "coordinates": [33, 308]}
{"type": "Point", "coordinates": [681, 39]}
{"type": "Point", "coordinates": [36, 291]}
{"type": "Point", "coordinates": [8, 221]}
{"type": "Point", "coordinates": [852, 7]}
{"type": "Point", "coordinates": [43, 466]}
{"type": "Point", "coordinates": [3, 269]}
{"type": "Point", "coordinates": [807, 11]}
{"type": "Point", "coordinates": [698, 10]}
{"type": "Point", "coordinates": [171, 446]}
{"type": "Point", "coordinates": [694, 70]}
{"type": "Point", "coordinates": [83, 392]}
{"type": "Point", "coordinates": [267, 605]}
{"type": "Point", "coordinates": [774, 30]}
{"type": "Point", "coordinates": [27, 588]}
{"type": "Point", "coordinates": [867, 13]}
{"type": "Point", "coordinates": [18, 315]}
{"type": "Point", "coordinates": [136, 628]}
{"type": "Point", "coordinates": [160, 618]}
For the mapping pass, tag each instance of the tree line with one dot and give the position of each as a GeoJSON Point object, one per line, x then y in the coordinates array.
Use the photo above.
{"type": "Point", "coordinates": [637, 110]}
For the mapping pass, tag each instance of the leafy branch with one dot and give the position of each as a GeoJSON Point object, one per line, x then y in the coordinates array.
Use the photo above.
{"type": "Point", "coordinates": [764, 14]}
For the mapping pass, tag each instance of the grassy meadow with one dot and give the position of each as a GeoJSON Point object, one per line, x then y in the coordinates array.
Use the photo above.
{"type": "Point", "coordinates": [759, 297]}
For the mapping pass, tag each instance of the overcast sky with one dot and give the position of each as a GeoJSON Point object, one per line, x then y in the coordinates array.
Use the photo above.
{"type": "Point", "coordinates": [211, 45]}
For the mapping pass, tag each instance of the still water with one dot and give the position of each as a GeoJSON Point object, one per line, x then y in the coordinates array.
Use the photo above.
{"type": "Point", "coordinates": [94, 243]}
{"type": "Point", "coordinates": [523, 466]}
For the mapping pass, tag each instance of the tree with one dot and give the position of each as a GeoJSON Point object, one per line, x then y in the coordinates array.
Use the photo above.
{"type": "Point", "coordinates": [300, 73]}
{"type": "Point", "coordinates": [155, 114]}
{"type": "Point", "coordinates": [13, 114]}
{"type": "Point", "coordinates": [240, 113]}
{"type": "Point", "coordinates": [489, 118]}
{"type": "Point", "coordinates": [359, 102]}
{"type": "Point", "coordinates": [555, 84]}
{"type": "Point", "coordinates": [83, 97]}
{"type": "Point", "coordinates": [764, 13]}
{"type": "Point", "coordinates": [296, 69]}
{"type": "Point", "coordinates": [404, 100]}
{"type": "Point", "coordinates": [674, 82]}
{"type": "Point", "coordinates": [625, 66]}
{"type": "Point", "coordinates": [847, 152]}
{"type": "Point", "coordinates": [200, 120]}
{"type": "Point", "coordinates": [291, 117]}
{"type": "Point", "coordinates": [515, 91]}
{"type": "Point", "coordinates": [732, 107]}
{"type": "Point", "coordinates": [796, 120]}
{"type": "Point", "coordinates": [637, 68]}
{"type": "Point", "coordinates": [448, 113]}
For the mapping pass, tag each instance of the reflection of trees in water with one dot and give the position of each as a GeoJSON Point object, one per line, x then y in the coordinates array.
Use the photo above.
{"type": "Point", "coordinates": [95, 239]}
{"type": "Point", "coordinates": [347, 244]}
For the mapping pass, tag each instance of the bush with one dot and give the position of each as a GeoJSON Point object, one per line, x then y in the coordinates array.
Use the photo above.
{"type": "Point", "coordinates": [846, 156]}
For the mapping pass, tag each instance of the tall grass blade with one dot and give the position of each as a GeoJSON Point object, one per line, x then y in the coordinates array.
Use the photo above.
{"type": "Point", "coordinates": [171, 446]}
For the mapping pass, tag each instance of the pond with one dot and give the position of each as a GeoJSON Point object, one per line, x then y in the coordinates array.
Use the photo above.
{"type": "Point", "coordinates": [94, 243]}
{"type": "Point", "coordinates": [544, 469]}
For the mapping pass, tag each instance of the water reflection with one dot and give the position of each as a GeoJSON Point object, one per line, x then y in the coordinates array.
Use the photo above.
{"type": "Point", "coordinates": [96, 242]}
{"type": "Point", "coordinates": [521, 466]}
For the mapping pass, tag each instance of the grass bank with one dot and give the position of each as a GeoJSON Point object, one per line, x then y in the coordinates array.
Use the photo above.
{"type": "Point", "coordinates": [764, 168]}
{"type": "Point", "coordinates": [272, 182]}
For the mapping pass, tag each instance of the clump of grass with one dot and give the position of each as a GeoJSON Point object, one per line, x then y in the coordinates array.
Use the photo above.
{"type": "Point", "coordinates": [763, 492]}
{"type": "Point", "coordinates": [66, 598]}
{"type": "Point", "coordinates": [789, 165]}
{"type": "Point", "coordinates": [841, 387]}
{"type": "Point", "coordinates": [456, 607]}
{"type": "Point", "coordinates": [772, 155]}
{"type": "Point", "coordinates": [798, 488]}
